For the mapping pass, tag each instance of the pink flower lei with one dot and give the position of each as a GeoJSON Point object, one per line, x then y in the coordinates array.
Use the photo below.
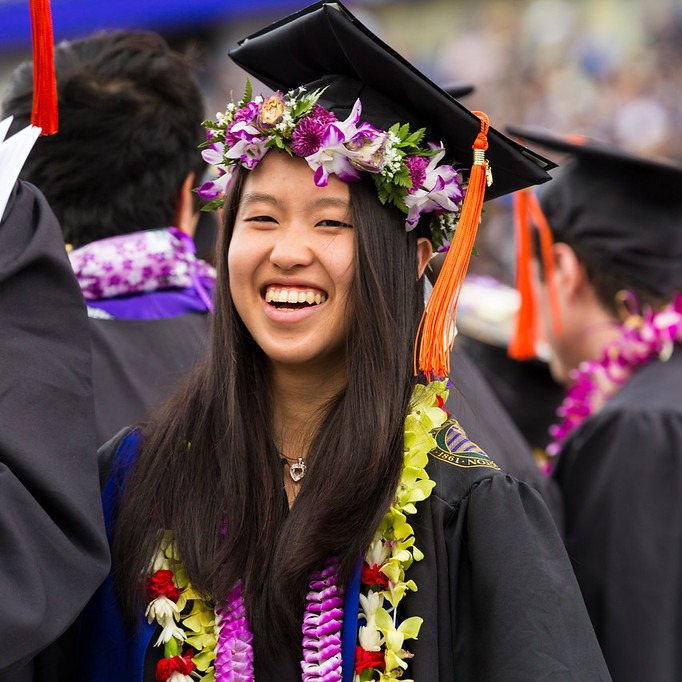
{"type": "Point", "coordinates": [407, 175]}
{"type": "Point", "coordinates": [594, 382]}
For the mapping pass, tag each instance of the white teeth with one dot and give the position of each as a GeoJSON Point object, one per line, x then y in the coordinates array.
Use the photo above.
{"type": "Point", "coordinates": [273, 295]}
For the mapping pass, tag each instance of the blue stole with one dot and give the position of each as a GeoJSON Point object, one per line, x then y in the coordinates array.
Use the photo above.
{"type": "Point", "coordinates": [111, 650]}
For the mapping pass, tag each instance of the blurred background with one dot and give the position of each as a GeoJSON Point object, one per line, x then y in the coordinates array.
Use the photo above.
{"type": "Point", "coordinates": [610, 69]}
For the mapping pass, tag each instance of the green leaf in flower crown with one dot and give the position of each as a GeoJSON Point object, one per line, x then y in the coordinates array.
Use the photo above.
{"type": "Point", "coordinates": [213, 205]}
{"type": "Point", "coordinates": [248, 94]}
{"type": "Point", "coordinates": [414, 140]}
{"type": "Point", "coordinates": [403, 132]}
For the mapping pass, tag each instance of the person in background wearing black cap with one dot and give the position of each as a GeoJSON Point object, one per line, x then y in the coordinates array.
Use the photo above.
{"type": "Point", "coordinates": [52, 540]}
{"type": "Point", "coordinates": [614, 273]}
{"type": "Point", "coordinates": [276, 518]}
{"type": "Point", "coordinates": [119, 176]}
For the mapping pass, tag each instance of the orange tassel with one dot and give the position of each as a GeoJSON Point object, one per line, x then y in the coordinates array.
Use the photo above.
{"type": "Point", "coordinates": [546, 241]}
{"type": "Point", "coordinates": [522, 342]}
{"type": "Point", "coordinates": [527, 208]}
{"type": "Point", "coordinates": [437, 326]}
{"type": "Point", "coordinates": [44, 112]}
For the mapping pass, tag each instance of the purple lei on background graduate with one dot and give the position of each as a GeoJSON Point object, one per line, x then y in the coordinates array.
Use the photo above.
{"type": "Point", "coordinates": [113, 272]}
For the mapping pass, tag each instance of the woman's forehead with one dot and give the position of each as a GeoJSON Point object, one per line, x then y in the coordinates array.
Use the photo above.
{"type": "Point", "coordinates": [278, 173]}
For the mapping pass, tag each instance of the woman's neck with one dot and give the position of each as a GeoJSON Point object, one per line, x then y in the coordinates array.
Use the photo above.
{"type": "Point", "coordinates": [299, 399]}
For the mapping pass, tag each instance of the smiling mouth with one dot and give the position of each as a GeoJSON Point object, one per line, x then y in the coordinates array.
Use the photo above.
{"type": "Point", "coordinates": [293, 299]}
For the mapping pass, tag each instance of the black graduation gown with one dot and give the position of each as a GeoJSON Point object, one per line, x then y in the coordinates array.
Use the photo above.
{"type": "Point", "coordinates": [474, 404]}
{"type": "Point", "coordinates": [496, 590]}
{"type": "Point", "coordinates": [137, 365]}
{"type": "Point", "coordinates": [620, 474]}
{"type": "Point", "coordinates": [53, 549]}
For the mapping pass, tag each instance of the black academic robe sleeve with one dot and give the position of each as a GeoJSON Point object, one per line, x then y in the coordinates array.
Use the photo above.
{"type": "Point", "coordinates": [621, 478]}
{"type": "Point", "coordinates": [496, 590]}
{"type": "Point", "coordinates": [53, 547]}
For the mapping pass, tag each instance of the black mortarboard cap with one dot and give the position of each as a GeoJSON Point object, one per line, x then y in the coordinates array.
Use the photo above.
{"type": "Point", "coordinates": [324, 45]}
{"type": "Point", "coordinates": [623, 208]}
{"type": "Point", "coordinates": [457, 89]}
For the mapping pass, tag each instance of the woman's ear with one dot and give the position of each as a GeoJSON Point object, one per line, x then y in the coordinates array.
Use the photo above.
{"type": "Point", "coordinates": [424, 252]}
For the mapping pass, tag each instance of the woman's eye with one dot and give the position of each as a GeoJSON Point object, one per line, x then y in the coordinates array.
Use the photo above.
{"type": "Point", "coordinates": [261, 219]}
{"type": "Point", "coordinates": [333, 223]}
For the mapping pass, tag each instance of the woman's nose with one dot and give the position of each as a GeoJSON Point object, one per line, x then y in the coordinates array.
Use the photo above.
{"type": "Point", "coordinates": [292, 249]}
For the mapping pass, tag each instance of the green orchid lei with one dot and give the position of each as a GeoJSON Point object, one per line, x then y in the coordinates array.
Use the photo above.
{"type": "Point", "coordinates": [380, 654]}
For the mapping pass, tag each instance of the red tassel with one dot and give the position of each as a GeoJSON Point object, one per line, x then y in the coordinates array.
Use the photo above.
{"type": "Point", "coordinates": [44, 112]}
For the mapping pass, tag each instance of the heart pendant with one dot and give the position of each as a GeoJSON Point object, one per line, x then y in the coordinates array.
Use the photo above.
{"type": "Point", "coordinates": [297, 470]}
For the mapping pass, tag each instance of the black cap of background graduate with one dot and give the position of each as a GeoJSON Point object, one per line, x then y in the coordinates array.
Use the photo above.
{"type": "Point", "coordinates": [324, 45]}
{"type": "Point", "coordinates": [624, 209]}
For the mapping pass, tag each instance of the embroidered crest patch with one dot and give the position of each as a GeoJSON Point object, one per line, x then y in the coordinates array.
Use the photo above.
{"type": "Point", "coordinates": [453, 447]}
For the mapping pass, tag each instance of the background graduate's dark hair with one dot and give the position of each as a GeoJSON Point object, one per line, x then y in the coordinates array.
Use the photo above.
{"type": "Point", "coordinates": [608, 282]}
{"type": "Point", "coordinates": [231, 476]}
{"type": "Point", "coordinates": [130, 113]}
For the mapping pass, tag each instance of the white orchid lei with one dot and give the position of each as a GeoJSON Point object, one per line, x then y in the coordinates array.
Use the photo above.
{"type": "Point", "coordinates": [406, 174]}
{"type": "Point", "coordinates": [213, 643]}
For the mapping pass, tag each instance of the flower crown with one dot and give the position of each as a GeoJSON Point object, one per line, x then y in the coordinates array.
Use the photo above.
{"type": "Point", "coordinates": [406, 175]}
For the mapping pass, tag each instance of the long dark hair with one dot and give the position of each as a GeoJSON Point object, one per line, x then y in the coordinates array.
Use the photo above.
{"type": "Point", "coordinates": [208, 468]}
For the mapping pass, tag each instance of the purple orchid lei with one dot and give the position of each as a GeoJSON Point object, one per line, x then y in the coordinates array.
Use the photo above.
{"type": "Point", "coordinates": [140, 262]}
{"type": "Point", "coordinates": [594, 382]}
{"type": "Point", "coordinates": [233, 651]}
{"type": "Point", "coordinates": [322, 624]}
{"type": "Point", "coordinates": [406, 175]}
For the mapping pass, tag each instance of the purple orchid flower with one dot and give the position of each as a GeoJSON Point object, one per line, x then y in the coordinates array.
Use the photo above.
{"type": "Point", "coordinates": [335, 156]}
{"type": "Point", "coordinates": [212, 189]}
{"type": "Point", "coordinates": [214, 154]}
{"type": "Point", "coordinates": [441, 190]}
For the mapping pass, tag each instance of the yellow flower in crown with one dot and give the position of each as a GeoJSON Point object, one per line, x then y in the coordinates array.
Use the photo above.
{"type": "Point", "coordinates": [271, 111]}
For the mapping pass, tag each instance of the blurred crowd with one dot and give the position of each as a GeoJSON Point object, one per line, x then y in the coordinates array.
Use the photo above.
{"type": "Point", "coordinates": [612, 70]}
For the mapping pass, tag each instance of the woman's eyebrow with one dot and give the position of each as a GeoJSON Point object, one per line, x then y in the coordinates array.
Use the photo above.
{"type": "Point", "coordinates": [254, 197]}
{"type": "Point", "coordinates": [330, 202]}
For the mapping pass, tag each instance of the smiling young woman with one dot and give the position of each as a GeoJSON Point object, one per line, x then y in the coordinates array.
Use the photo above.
{"type": "Point", "coordinates": [293, 240]}
{"type": "Point", "coordinates": [227, 568]}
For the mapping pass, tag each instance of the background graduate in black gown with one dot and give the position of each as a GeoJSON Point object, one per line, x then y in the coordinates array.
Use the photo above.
{"type": "Point", "coordinates": [616, 222]}
{"type": "Point", "coordinates": [52, 542]}
{"type": "Point", "coordinates": [119, 176]}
